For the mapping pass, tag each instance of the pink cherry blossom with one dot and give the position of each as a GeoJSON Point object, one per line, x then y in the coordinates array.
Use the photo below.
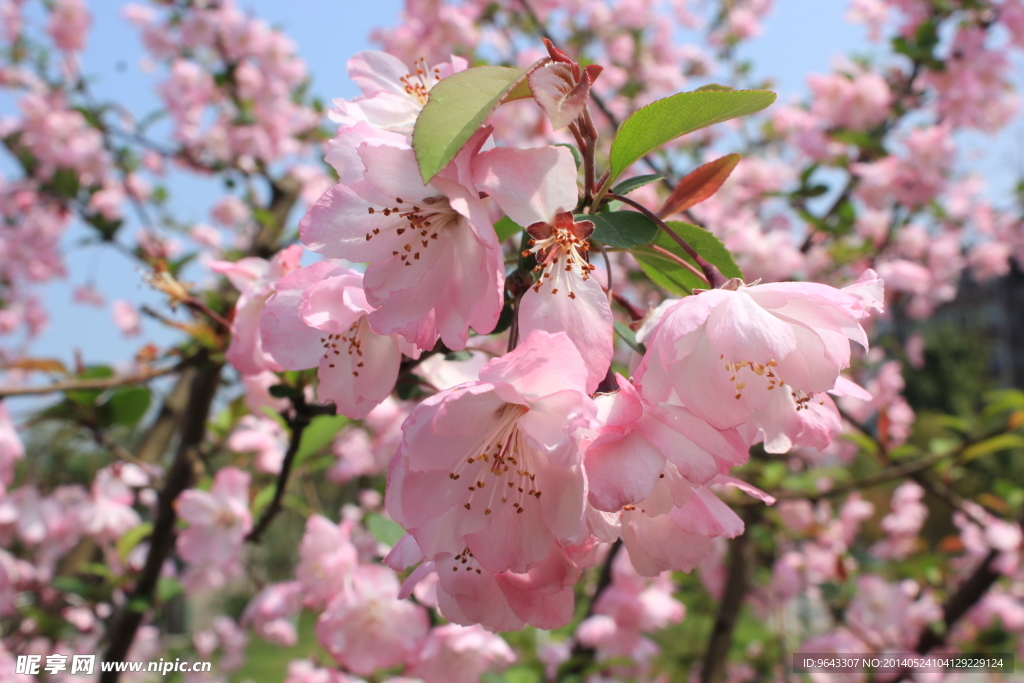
{"type": "Point", "coordinates": [326, 560]}
{"type": "Point", "coordinates": [492, 470]}
{"type": "Point", "coordinates": [254, 278]}
{"type": "Point", "coordinates": [435, 267]}
{"type": "Point", "coordinates": [69, 24]}
{"type": "Point", "coordinates": [318, 316]}
{"type": "Point", "coordinates": [460, 654]}
{"type": "Point", "coordinates": [262, 436]}
{"type": "Point", "coordinates": [273, 611]}
{"type": "Point", "coordinates": [788, 341]}
{"type": "Point", "coordinates": [366, 627]}
{"type": "Point", "coordinates": [127, 318]}
{"type": "Point", "coordinates": [393, 94]}
{"type": "Point", "coordinates": [537, 189]}
{"type": "Point", "coordinates": [218, 519]}
{"type": "Point", "coordinates": [637, 440]}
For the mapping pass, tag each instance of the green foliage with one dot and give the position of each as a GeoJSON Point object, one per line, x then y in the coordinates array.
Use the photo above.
{"type": "Point", "coordinates": [318, 435]}
{"type": "Point", "coordinates": [673, 277]}
{"type": "Point", "coordinates": [636, 182]}
{"type": "Point", "coordinates": [665, 120]}
{"type": "Point", "coordinates": [457, 107]}
{"type": "Point", "coordinates": [624, 229]}
{"type": "Point", "coordinates": [506, 228]}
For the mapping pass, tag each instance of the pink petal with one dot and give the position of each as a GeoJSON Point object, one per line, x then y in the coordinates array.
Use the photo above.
{"type": "Point", "coordinates": [586, 318]}
{"type": "Point", "coordinates": [530, 185]}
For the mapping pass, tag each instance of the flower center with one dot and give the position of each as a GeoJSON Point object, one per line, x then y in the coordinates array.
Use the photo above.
{"type": "Point", "coordinates": [745, 371]}
{"type": "Point", "coordinates": [560, 261]}
{"type": "Point", "coordinates": [503, 471]}
{"type": "Point", "coordinates": [351, 342]}
{"type": "Point", "coordinates": [422, 224]}
{"type": "Point", "coordinates": [418, 84]}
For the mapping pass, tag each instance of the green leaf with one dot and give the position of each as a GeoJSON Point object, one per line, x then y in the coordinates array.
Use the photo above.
{"type": "Point", "coordinates": [457, 107]}
{"type": "Point", "coordinates": [506, 228]}
{"type": "Point", "coordinates": [87, 397]}
{"type": "Point", "coordinates": [126, 406]}
{"type": "Point", "coordinates": [671, 276]}
{"type": "Point", "coordinates": [384, 530]}
{"type": "Point", "coordinates": [1000, 442]}
{"type": "Point", "coordinates": [318, 435]}
{"type": "Point", "coordinates": [659, 122]}
{"type": "Point", "coordinates": [715, 87]}
{"type": "Point", "coordinates": [630, 184]}
{"type": "Point", "coordinates": [629, 337]}
{"type": "Point", "coordinates": [625, 229]}
{"type": "Point", "coordinates": [130, 540]}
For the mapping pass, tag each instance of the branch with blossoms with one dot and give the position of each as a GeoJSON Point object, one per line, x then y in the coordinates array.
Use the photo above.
{"type": "Point", "coordinates": [484, 426]}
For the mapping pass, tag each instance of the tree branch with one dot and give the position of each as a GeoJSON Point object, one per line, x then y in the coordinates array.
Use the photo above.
{"type": "Point", "coordinates": [741, 561]}
{"type": "Point", "coordinates": [298, 426]}
{"type": "Point", "coordinates": [100, 383]}
{"type": "Point", "coordinates": [201, 391]}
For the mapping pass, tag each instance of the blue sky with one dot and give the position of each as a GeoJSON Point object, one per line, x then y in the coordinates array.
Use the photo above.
{"type": "Point", "coordinates": [800, 37]}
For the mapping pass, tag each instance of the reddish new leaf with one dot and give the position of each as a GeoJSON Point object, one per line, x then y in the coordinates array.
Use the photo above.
{"type": "Point", "coordinates": [700, 184]}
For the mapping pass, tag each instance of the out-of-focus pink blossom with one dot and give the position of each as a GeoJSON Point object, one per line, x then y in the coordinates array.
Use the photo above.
{"type": "Point", "coordinates": [69, 24]}
{"type": "Point", "coordinates": [126, 317]}
{"type": "Point", "coordinates": [273, 611]}
{"type": "Point", "coordinates": [460, 654]}
{"type": "Point", "coordinates": [262, 436]}
{"type": "Point", "coordinates": [219, 519]}
{"type": "Point", "coordinates": [366, 627]}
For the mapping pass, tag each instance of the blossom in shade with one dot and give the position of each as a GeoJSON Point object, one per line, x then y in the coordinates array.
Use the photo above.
{"type": "Point", "coordinates": [218, 521]}
{"type": "Point", "coordinates": [366, 627]}
{"type": "Point", "coordinates": [460, 654]}
{"type": "Point", "coordinates": [254, 278]}
{"type": "Point", "coordinates": [317, 317]}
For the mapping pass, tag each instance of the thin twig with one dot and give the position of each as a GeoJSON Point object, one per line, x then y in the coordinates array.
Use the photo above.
{"type": "Point", "coordinates": [737, 583]}
{"type": "Point", "coordinates": [582, 656]}
{"type": "Point", "coordinates": [678, 261]}
{"type": "Point", "coordinates": [298, 425]}
{"type": "Point", "coordinates": [100, 383]}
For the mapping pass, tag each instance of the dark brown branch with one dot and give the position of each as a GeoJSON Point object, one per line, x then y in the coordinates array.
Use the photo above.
{"type": "Point", "coordinates": [737, 583]}
{"type": "Point", "coordinates": [582, 656]}
{"type": "Point", "coordinates": [202, 389]}
{"type": "Point", "coordinates": [298, 426]}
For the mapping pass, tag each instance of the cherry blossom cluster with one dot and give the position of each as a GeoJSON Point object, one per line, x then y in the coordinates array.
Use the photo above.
{"type": "Point", "coordinates": [509, 482]}
{"type": "Point", "coordinates": [486, 383]}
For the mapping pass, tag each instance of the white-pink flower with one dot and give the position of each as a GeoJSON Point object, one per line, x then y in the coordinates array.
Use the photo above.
{"type": "Point", "coordinates": [435, 266]}
{"type": "Point", "coordinates": [366, 627]}
{"type": "Point", "coordinates": [490, 472]}
{"type": "Point", "coordinates": [537, 189]}
{"type": "Point", "coordinates": [218, 521]}
{"type": "Point", "coordinates": [460, 654]}
{"type": "Point", "coordinates": [393, 94]}
{"type": "Point", "coordinates": [254, 278]}
{"type": "Point", "coordinates": [761, 357]}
